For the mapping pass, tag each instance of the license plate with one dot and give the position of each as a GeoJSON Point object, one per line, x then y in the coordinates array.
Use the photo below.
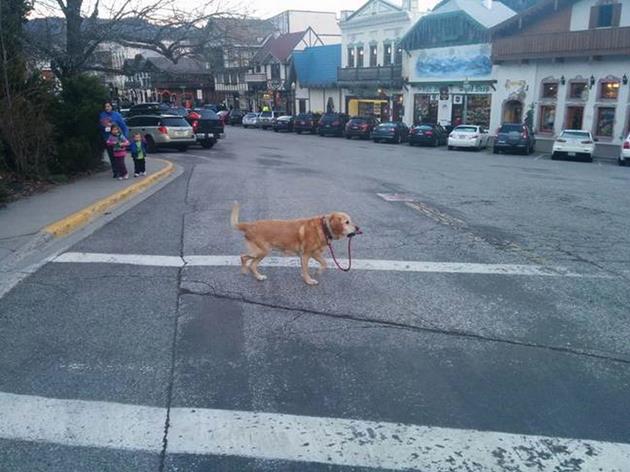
{"type": "Point", "coordinates": [572, 154]}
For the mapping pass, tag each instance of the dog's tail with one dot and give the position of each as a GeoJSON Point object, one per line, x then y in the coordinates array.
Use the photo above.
{"type": "Point", "coordinates": [234, 217]}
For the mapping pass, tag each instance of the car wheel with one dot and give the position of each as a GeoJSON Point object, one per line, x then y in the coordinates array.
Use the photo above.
{"type": "Point", "coordinates": [299, 132]}
{"type": "Point", "coordinates": [275, 130]}
{"type": "Point", "coordinates": [495, 150]}
{"type": "Point", "coordinates": [621, 162]}
{"type": "Point", "coordinates": [376, 141]}
{"type": "Point", "coordinates": [450, 148]}
{"type": "Point", "coordinates": [182, 148]}
{"type": "Point", "coordinates": [589, 158]}
{"type": "Point", "coordinates": [554, 156]}
{"type": "Point", "coordinates": [207, 143]}
{"type": "Point", "coordinates": [151, 147]}
{"type": "Point", "coordinates": [348, 136]}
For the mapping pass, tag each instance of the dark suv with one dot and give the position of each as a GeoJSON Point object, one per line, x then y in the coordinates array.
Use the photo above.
{"type": "Point", "coordinates": [514, 137]}
{"type": "Point", "coordinates": [306, 122]}
{"type": "Point", "coordinates": [149, 108]}
{"type": "Point", "coordinates": [361, 127]}
{"type": "Point", "coordinates": [333, 123]}
{"type": "Point", "coordinates": [206, 125]}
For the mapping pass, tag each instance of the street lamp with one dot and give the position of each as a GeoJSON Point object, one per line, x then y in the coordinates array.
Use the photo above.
{"type": "Point", "coordinates": [467, 87]}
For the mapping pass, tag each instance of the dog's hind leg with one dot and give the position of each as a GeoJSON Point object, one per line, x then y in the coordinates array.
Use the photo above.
{"type": "Point", "coordinates": [252, 259]}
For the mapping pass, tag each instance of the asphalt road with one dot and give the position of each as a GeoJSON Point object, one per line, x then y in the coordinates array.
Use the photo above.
{"type": "Point", "coordinates": [465, 350]}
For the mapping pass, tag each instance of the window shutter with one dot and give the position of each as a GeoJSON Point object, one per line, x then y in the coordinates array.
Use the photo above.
{"type": "Point", "coordinates": [616, 15]}
{"type": "Point", "coordinates": [594, 17]}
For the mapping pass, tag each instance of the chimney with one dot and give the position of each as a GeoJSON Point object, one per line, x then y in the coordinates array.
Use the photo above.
{"type": "Point", "coordinates": [487, 4]}
{"type": "Point", "coordinates": [410, 5]}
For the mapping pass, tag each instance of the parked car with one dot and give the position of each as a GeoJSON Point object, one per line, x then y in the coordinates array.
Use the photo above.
{"type": "Point", "coordinates": [283, 123]}
{"type": "Point", "coordinates": [514, 137]}
{"type": "Point", "coordinates": [171, 131]}
{"type": "Point", "coordinates": [574, 143]}
{"type": "Point", "coordinates": [306, 122]}
{"type": "Point", "coordinates": [427, 133]}
{"type": "Point", "coordinates": [468, 136]}
{"type": "Point", "coordinates": [206, 125]}
{"type": "Point", "coordinates": [332, 123]}
{"type": "Point", "coordinates": [210, 106]}
{"type": "Point", "coordinates": [361, 127]}
{"type": "Point", "coordinates": [223, 116]}
{"type": "Point", "coordinates": [236, 116]}
{"type": "Point", "coordinates": [149, 108]}
{"type": "Point", "coordinates": [251, 119]}
{"type": "Point", "coordinates": [391, 131]}
{"type": "Point", "coordinates": [265, 120]}
{"type": "Point", "coordinates": [624, 155]}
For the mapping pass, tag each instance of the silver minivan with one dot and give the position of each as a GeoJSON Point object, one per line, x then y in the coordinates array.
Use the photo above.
{"type": "Point", "coordinates": [170, 131]}
{"type": "Point", "coordinates": [265, 119]}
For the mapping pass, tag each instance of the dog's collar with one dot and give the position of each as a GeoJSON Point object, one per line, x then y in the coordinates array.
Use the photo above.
{"type": "Point", "coordinates": [326, 229]}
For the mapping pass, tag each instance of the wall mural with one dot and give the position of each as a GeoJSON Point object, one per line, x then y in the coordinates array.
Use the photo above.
{"type": "Point", "coordinates": [454, 62]}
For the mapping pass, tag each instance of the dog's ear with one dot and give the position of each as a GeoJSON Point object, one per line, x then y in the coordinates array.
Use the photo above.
{"type": "Point", "coordinates": [336, 225]}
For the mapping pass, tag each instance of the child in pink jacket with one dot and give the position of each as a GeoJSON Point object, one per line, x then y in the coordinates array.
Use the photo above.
{"type": "Point", "coordinates": [119, 144]}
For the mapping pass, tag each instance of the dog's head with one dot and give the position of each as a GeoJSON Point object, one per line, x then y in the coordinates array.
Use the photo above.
{"type": "Point", "coordinates": [341, 225]}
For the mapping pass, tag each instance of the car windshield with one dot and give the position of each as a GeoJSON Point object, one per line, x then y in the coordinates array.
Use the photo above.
{"type": "Point", "coordinates": [358, 121]}
{"type": "Point", "coordinates": [174, 121]}
{"type": "Point", "coordinates": [424, 127]}
{"type": "Point", "coordinates": [304, 116]}
{"type": "Point", "coordinates": [251, 115]}
{"type": "Point", "coordinates": [266, 114]}
{"type": "Point", "coordinates": [575, 134]}
{"type": "Point", "coordinates": [511, 128]}
{"type": "Point", "coordinates": [466, 129]}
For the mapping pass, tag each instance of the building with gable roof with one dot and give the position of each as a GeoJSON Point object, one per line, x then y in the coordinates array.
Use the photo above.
{"type": "Point", "coordinates": [371, 57]}
{"type": "Point", "coordinates": [268, 78]}
{"type": "Point", "coordinates": [448, 70]}
{"type": "Point", "coordinates": [314, 75]}
{"type": "Point", "coordinates": [567, 63]}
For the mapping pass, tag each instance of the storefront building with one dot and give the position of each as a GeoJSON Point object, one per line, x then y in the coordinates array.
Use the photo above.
{"type": "Point", "coordinates": [314, 79]}
{"type": "Point", "coordinates": [565, 65]}
{"type": "Point", "coordinates": [371, 58]}
{"type": "Point", "coordinates": [448, 71]}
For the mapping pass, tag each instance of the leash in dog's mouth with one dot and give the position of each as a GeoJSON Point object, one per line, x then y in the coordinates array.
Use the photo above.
{"type": "Point", "coordinates": [332, 253]}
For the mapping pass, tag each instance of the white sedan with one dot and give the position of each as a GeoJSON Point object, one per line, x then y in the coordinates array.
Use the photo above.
{"type": "Point", "coordinates": [250, 119]}
{"type": "Point", "coordinates": [624, 155]}
{"type": "Point", "coordinates": [468, 136]}
{"type": "Point", "coordinates": [574, 143]}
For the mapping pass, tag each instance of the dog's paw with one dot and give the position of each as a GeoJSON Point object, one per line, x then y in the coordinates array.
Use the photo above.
{"type": "Point", "coordinates": [261, 277]}
{"type": "Point", "coordinates": [311, 282]}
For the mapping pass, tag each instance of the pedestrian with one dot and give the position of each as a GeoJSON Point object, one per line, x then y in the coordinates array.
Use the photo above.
{"type": "Point", "coordinates": [138, 150]}
{"type": "Point", "coordinates": [108, 118]}
{"type": "Point", "coordinates": [118, 144]}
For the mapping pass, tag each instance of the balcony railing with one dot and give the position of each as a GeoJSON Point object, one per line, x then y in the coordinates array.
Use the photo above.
{"type": "Point", "coordinates": [598, 42]}
{"type": "Point", "coordinates": [387, 76]}
{"type": "Point", "coordinates": [255, 77]}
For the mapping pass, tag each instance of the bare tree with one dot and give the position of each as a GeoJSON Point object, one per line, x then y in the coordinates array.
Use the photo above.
{"type": "Point", "coordinates": [70, 31]}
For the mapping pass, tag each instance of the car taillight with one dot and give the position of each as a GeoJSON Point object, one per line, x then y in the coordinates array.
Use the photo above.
{"type": "Point", "coordinates": [429, 133]}
{"type": "Point", "coordinates": [365, 126]}
{"type": "Point", "coordinates": [163, 130]}
{"type": "Point", "coordinates": [195, 124]}
{"type": "Point", "coordinates": [626, 145]}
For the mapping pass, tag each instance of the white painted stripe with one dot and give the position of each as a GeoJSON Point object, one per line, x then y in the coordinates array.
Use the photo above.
{"type": "Point", "coordinates": [131, 259]}
{"type": "Point", "coordinates": [295, 438]}
{"type": "Point", "coordinates": [357, 264]}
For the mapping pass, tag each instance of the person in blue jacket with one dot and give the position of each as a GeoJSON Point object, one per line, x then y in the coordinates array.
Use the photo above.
{"type": "Point", "coordinates": [138, 150]}
{"type": "Point", "coordinates": [107, 118]}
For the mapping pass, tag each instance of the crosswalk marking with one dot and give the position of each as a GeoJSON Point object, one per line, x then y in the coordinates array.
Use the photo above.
{"type": "Point", "coordinates": [357, 264]}
{"type": "Point", "coordinates": [276, 436]}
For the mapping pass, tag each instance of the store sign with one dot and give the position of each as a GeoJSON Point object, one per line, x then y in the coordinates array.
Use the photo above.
{"type": "Point", "coordinates": [443, 93]}
{"type": "Point", "coordinates": [275, 84]}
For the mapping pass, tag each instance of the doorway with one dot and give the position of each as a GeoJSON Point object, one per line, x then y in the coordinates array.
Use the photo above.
{"type": "Point", "coordinates": [513, 111]}
{"type": "Point", "coordinates": [575, 117]}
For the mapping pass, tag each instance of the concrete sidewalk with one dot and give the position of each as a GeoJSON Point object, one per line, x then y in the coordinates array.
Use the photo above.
{"type": "Point", "coordinates": [30, 222]}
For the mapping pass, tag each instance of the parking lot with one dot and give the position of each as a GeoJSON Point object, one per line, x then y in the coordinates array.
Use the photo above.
{"type": "Point", "coordinates": [486, 321]}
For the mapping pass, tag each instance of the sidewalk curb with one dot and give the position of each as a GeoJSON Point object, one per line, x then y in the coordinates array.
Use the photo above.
{"type": "Point", "coordinates": [82, 217]}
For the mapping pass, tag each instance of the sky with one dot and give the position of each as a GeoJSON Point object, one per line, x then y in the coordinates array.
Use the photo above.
{"type": "Point", "coordinates": [265, 8]}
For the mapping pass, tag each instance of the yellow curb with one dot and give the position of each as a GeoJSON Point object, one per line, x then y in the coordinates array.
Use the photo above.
{"type": "Point", "coordinates": [80, 218]}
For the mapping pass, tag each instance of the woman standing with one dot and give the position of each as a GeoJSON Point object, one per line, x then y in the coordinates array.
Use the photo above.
{"type": "Point", "coordinates": [108, 118]}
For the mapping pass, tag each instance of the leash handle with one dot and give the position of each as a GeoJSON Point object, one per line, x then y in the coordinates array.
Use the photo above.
{"type": "Point", "coordinates": [332, 253]}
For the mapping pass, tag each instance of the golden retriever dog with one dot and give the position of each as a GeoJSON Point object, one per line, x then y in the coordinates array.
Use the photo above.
{"type": "Point", "coordinates": [307, 238]}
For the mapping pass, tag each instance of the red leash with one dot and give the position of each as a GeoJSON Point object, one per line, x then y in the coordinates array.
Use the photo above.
{"type": "Point", "coordinates": [332, 252]}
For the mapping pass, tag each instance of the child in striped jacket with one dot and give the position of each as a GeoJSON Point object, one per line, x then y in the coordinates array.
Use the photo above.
{"type": "Point", "coordinates": [119, 144]}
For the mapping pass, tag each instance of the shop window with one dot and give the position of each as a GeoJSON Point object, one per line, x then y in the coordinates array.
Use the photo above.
{"type": "Point", "coordinates": [398, 55]}
{"type": "Point", "coordinates": [360, 56]}
{"type": "Point", "coordinates": [275, 71]}
{"type": "Point", "coordinates": [605, 122]}
{"type": "Point", "coordinates": [373, 56]}
{"type": "Point", "coordinates": [478, 110]}
{"type": "Point", "coordinates": [350, 57]}
{"type": "Point", "coordinates": [387, 54]}
{"type": "Point", "coordinates": [578, 91]}
{"type": "Point", "coordinates": [575, 117]}
{"type": "Point", "coordinates": [425, 108]}
{"type": "Point", "coordinates": [550, 90]}
{"type": "Point", "coordinates": [609, 90]}
{"type": "Point", "coordinates": [547, 118]}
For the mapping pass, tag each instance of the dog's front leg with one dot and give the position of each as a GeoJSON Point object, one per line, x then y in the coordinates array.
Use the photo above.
{"type": "Point", "coordinates": [305, 275]}
{"type": "Point", "coordinates": [322, 262]}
